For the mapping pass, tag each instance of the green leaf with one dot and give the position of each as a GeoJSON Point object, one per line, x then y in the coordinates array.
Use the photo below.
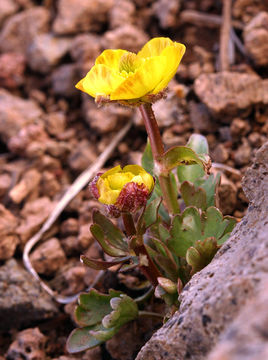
{"type": "Point", "coordinates": [209, 185]}
{"type": "Point", "coordinates": [150, 215]}
{"type": "Point", "coordinates": [198, 143]}
{"type": "Point", "coordinates": [215, 224]}
{"type": "Point", "coordinates": [193, 196]}
{"type": "Point", "coordinates": [93, 306]}
{"type": "Point", "coordinates": [201, 254]}
{"type": "Point", "coordinates": [81, 339]}
{"type": "Point", "coordinates": [189, 173]}
{"type": "Point", "coordinates": [185, 230]}
{"type": "Point", "coordinates": [169, 286]}
{"type": "Point", "coordinates": [147, 160]}
{"type": "Point", "coordinates": [113, 235]}
{"type": "Point", "coordinates": [179, 155]}
{"type": "Point", "coordinates": [124, 308]}
{"type": "Point", "coordinates": [102, 264]}
{"type": "Point", "coordinates": [99, 235]}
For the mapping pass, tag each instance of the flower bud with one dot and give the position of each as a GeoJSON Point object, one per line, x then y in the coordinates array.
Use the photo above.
{"type": "Point", "coordinates": [123, 190]}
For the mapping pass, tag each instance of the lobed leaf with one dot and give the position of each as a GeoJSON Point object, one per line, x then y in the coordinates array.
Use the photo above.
{"type": "Point", "coordinates": [102, 264]}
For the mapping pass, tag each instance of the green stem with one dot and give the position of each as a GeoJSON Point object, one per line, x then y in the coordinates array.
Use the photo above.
{"type": "Point", "coordinates": [169, 194]}
{"type": "Point", "coordinates": [150, 314]}
{"type": "Point", "coordinates": [151, 272]}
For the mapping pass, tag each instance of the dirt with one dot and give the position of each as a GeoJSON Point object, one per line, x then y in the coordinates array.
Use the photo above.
{"type": "Point", "coordinates": [50, 133]}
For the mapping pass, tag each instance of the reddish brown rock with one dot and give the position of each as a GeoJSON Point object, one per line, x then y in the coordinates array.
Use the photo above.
{"type": "Point", "coordinates": [242, 155]}
{"type": "Point", "coordinates": [64, 78]}
{"type": "Point", "coordinates": [256, 38]}
{"type": "Point", "coordinates": [29, 182]}
{"type": "Point", "coordinates": [127, 37]}
{"type": "Point", "coordinates": [46, 51]}
{"type": "Point", "coordinates": [123, 12]}
{"type": "Point", "coordinates": [8, 237]}
{"type": "Point", "coordinates": [239, 127]}
{"type": "Point", "coordinates": [15, 114]}
{"type": "Point", "coordinates": [48, 257]}
{"type": "Point", "coordinates": [12, 66]}
{"type": "Point", "coordinates": [76, 16]}
{"type": "Point", "coordinates": [19, 31]}
{"type": "Point", "coordinates": [167, 12]}
{"type": "Point", "coordinates": [82, 156]}
{"type": "Point", "coordinates": [7, 8]}
{"type": "Point", "coordinates": [5, 183]}
{"type": "Point", "coordinates": [33, 214]}
{"type": "Point", "coordinates": [226, 94]}
{"type": "Point", "coordinates": [55, 123]}
{"type": "Point", "coordinates": [85, 49]}
{"type": "Point", "coordinates": [247, 9]}
{"type": "Point", "coordinates": [227, 193]}
{"type": "Point", "coordinates": [29, 345]}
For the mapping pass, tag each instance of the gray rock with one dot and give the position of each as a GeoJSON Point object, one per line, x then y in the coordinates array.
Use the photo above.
{"type": "Point", "coordinates": [22, 301]}
{"type": "Point", "coordinates": [216, 295]}
{"type": "Point", "coordinates": [227, 94]}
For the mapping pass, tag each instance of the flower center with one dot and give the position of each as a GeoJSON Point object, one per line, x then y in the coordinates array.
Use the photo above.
{"type": "Point", "coordinates": [128, 64]}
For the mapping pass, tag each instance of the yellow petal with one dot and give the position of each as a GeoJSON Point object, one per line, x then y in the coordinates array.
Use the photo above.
{"type": "Point", "coordinates": [107, 195]}
{"type": "Point", "coordinates": [112, 171]}
{"type": "Point", "coordinates": [110, 58]}
{"type": "Point", "coordinates": [144, 80]}
{"type": "Point", "coordinates": [140, 172]}
{"type": "Point", "coordinates": [134, 169]}
{"type": "Point", "coordinates": [100, 80]}
{"type": "Point", "coordinates": [173, 55]}
{"type": "Point", "coordinates": [154, 47]}
{"type": "Point", "coordinates": [119, 180]}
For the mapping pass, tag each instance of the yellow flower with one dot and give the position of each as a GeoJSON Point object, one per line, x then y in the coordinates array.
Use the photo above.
{"type": "Point", "coordinates": [123, 75]}
{"type": "Point", "coordinates": [125, 190]}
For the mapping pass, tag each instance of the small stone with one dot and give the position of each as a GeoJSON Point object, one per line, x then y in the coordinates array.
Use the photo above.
{"type": "Point", "coordinates": [227, 193]}
{"type": "Point", "coordinates": [220, 154]}
{"type": "Point", "coordinates": [33, 214]}
{"type": "Point", "coordinates": [127, 37]}
{"type": "Point", "coordinates": [19, 30]}
{"type": "Point", "coordinates": [8, 238]}
{"type": "Point", "coordinates": [55, 123]}
{"type": "Point", "coordinates": [64, 78]}
{"type": "Point", "coordinates": [69, 227]}
{"type": "Point", "coordinates": [22, 301]}
{"type": "Point", "coordinates": [48, 257]}
{"type": "Point", "coordinates": [243, 154]}
{"type": "Point", "coordinates": [12, 66]}
{"type": "Point", "coordinates": [200, 118]}
{"type": "Point", "coordinates": [15, 114]}
{"type": "Point", "coordinates": [29, 182]}
{"type": "Point", "coordinates": [239, 127]}
{"type": "Point", "coordinates": [256, 38]}
{"type": "Point", "coordinates": [7, 8]}
{"type": "Point", "coordinates": [226, 94]}
{"type": "Point", "coordinates": [28, 345]}
{"type": "Point", "coordinates": [122, 13]}
{"type": "Point", "coordinates": [81, 16]}
{"type": "Point", "coordinates": [167, 12]}
{"type": "Point", "coordinates": [46, 51]}
{"type": "Point", "coordinates": [5, 183]}
{"type": "Point", "coordinates": [50, 185]}
{"type": "Point", "coordinates": [82, 156]}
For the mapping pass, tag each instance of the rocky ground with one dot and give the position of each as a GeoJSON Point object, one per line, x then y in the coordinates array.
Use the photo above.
{"type": "Point", "coordinates": [50, 133]}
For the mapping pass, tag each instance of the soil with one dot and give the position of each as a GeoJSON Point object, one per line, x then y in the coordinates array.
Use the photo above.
{"type": "Point", "coordinates": [50, 133]}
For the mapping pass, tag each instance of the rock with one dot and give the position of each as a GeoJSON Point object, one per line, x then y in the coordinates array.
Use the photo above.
{"type": "Point", "coordinates": [220, 154]}
{"type": "Point", "coordinates": [49, 186]}
{"type": "Point", "coordinates": [64, 78]}
{"type": "Point", "coordinates": [19, 31]}
{"type": "Point", "coordinates": [73, 244]}
{"type": "Point", "coordinates": [228, 93]}
{"type": "Point", "coordinates": [200, 118]}
{"type": "Point", "coordinates": [242, 155]}
{"type": "Point", "coordinates": [85, 49]}
{"type": "Point", "coordinates": [28, 345]}
{"type": "Point", "coordinates": [33, 214]}
{"type": "Point", "coordinates": [46, 50]}
{"type": "Point", "coordinates": [12, 68]}
{"type": "Point", "coordinates": [81, 16]}
{"type": "Point", "coordinates": [256, 38]}
{"type": "Point", "coordinates": [227, 193]}
{"type": "Point", "coordinates": [8, 238]}
{"type": "Point", "coordinates": [106, 118]}
{"type": "Point", "coordinates": [167, 12]}
{"type": "Point", "coordinates": [217, 294]}
{"type": "Point", "coordinates": [246, 338]}
{"type": "Point", "coordinates": [15, 114]}
{"type": "Point", "coordinates": [5, 183]}
{"type": "Point", "coordinates": [239, 127]}
{"type": "Point", "coordinates": [29, 182]}
{"type": "Point", "coordinates": [22, 301]}
{"type": "Point", "coordinates": [123, 12]}
{"type": "Point", "coordinates": [48, 257]}
{"type": "Point", "coordinates": [82, 156]}
{"type": "Point", "coordinates": [246, 9]}
{"type": "Point", "coordinates": [128, 37]}
{"type": "Point", "coordinates": [7, 8]}
{"type": "Point", "coordinates": [55, 123]}
{"type": "Point", "coordinates": [69, 227]}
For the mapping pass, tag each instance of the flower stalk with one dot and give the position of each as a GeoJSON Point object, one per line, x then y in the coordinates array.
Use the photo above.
{"type": "Point", "coordinates": [169, 194]}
